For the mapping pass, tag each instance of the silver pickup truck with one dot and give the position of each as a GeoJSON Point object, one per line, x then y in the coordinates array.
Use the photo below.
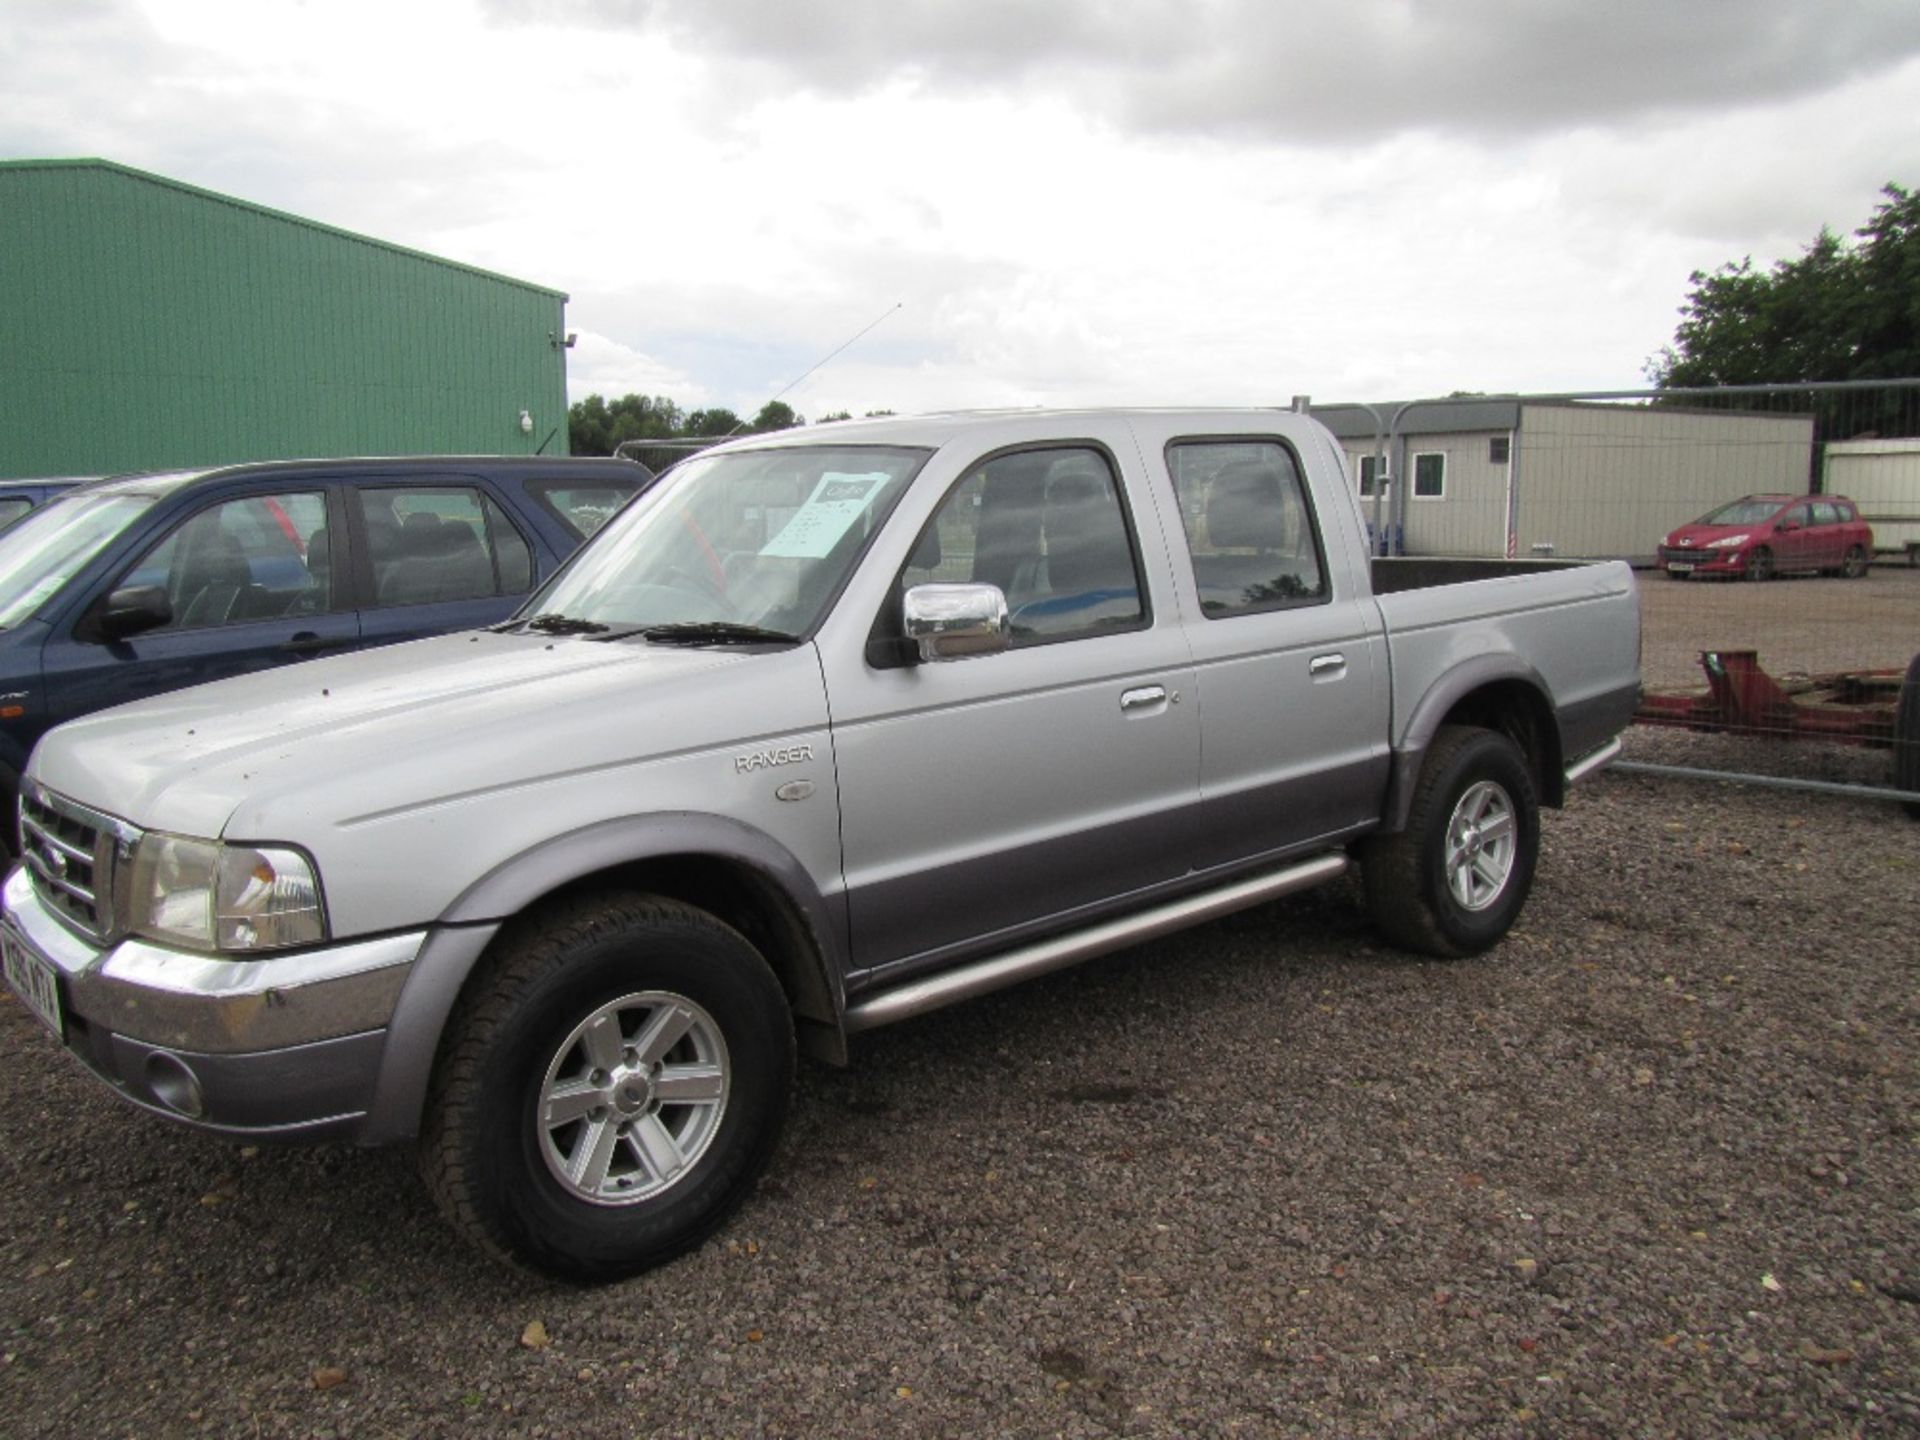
{"type": "Point", "coordinates": [829, 729]}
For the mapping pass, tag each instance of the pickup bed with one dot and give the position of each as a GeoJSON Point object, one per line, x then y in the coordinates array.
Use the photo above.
{"type": "Point", "coordinates": [829, 729]}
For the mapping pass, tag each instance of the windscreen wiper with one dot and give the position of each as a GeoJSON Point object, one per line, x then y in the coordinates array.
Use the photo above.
{"type": "Point", "coordinates": [716, 632]}
{"type": "Point", "coordinates": [553, 623]}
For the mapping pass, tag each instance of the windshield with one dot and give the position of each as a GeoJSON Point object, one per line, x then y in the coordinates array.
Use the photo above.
{"type": "Point", "coordinates": [761, 538]}
{"type": "Point", "coordinates": [1750, 511]}
{"type": "Point", "coordinates": [41, 553]}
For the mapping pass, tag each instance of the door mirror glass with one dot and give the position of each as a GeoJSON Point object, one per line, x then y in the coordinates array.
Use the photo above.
{"type": "Point", "coordinates": [946, 622]}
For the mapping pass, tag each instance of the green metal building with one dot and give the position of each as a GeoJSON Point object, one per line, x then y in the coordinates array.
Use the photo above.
{"type": "Point", "coordinates": [148, 324]}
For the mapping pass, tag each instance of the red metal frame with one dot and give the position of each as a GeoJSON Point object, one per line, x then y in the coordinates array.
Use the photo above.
{"type": "Point", "coordinates": [1853, 707]}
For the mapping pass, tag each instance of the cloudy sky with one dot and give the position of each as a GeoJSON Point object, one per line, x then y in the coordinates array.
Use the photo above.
{"type": "Point", "coordinates": [1049, 201]}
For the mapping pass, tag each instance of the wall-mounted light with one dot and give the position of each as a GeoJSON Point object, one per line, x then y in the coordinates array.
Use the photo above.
{"type": "Point", "coordinates": [526, 423]}
{"type": "Point", "coordinates": [553, 339]}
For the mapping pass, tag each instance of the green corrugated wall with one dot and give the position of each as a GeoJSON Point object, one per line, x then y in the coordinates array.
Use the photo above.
{"type": "Point", "coordinates": [148, 324]}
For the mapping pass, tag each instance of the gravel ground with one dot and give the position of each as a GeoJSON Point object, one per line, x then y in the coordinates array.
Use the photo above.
{"type": "Point", "coordinates": [1647, 1169]}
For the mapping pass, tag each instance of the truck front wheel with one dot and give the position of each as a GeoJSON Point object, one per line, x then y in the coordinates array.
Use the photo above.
{"type": "Point", "coordinates": [610, 1088]}
{"type": "Point", "coordinates": [1453, 881]}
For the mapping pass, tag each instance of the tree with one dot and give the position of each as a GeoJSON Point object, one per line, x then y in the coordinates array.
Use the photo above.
{"type": "Point", "coordinates": [1845, 310]}
{"type": "Point", "coordinates": [713, 424]}
{"type": "Point", "coordinates": [594, 426]}
{"type": "Point", "coordinates": [776, 415]}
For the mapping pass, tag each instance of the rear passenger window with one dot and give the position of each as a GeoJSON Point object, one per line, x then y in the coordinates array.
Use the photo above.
{"type": "Point", "coordinates": [1047, 527]}
{"type": "Point", "coordinates": [1249, 529]}
{"type": "Point", "coordinates": [584, 506]}
{"type": "Point", "coordinates": [257, 558]}
{"type": "Point", "coordinates": [433, 545]}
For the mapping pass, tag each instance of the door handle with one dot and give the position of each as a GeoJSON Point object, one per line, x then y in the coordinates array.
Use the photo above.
{"type": "Point", "coordinates": [306, 642]}
{"type": "Point", "coordinates": [1143, 697]}
{"type": "Point", "coordinates": [1327, 664]}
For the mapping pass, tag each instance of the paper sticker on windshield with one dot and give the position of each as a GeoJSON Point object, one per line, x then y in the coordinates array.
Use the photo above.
{"type": "Point", "coordinates": [834, 507]}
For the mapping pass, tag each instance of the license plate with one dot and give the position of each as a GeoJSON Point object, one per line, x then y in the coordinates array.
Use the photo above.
{"type": "Point", "coordinates": [1679, 569]}
{"type": "Point", "coordinates": [32, 979]}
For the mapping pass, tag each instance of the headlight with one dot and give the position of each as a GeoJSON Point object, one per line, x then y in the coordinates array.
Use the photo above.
{"type": "Point", "coordinates": [209, 896]}
{"type": "Point", "coordinates": [1727, 542]}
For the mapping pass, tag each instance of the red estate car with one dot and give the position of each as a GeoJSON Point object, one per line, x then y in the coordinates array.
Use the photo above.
{"type": "Point", "coordinates": [1760, 536]}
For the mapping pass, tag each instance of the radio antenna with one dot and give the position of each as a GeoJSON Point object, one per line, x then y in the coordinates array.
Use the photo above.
{"type": "Point", "coordinates": [791, 384]}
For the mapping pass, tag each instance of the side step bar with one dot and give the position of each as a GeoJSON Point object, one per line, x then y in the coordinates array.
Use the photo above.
{"type": "Point", "coordinates": [1591, 763]}
{"type": "Point", "coordinates": [984, 976]}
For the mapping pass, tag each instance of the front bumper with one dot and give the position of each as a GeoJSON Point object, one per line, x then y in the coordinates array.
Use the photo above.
{"type": "Point", "coordinates": [1701, 560]}
{"type": "Point", "coordinates": [287, 1046]}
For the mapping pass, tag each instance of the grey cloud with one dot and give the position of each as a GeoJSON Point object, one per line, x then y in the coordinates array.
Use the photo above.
{"type": "Point", "coordinates": [1296, 71]}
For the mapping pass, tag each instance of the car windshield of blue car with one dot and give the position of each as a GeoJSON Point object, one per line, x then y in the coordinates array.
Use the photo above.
{"type": "Point", "coordinates": [40, 554]}
{"type": "Point", "coordinates": [760, 538]}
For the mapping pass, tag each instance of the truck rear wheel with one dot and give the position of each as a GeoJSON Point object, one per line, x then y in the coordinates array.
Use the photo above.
{"type": "Point", "coordinates": [1453, 881]}
{"type": "Point", "coordinates": [610, 1089]}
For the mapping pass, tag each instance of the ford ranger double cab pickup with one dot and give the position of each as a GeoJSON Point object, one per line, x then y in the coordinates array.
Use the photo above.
{"type": "Point", "coordinates": [826, 730]}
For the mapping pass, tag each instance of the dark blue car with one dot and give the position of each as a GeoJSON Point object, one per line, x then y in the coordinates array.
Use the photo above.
{"type": "Point", "coordinates": [20, 498]}
{"type": "Point", "coordinates": [128, 587]}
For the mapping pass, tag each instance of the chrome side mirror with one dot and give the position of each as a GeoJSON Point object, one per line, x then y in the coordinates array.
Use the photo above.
{"type": "Point", "coordinates": [946, 622]}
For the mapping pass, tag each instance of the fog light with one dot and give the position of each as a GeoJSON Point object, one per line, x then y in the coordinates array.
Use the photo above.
{"type": "Point", "coordinates": [174, 1085]}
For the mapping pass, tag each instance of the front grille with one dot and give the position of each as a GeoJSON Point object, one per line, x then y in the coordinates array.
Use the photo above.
{"type": "Point", "coordinates": [72, 852]}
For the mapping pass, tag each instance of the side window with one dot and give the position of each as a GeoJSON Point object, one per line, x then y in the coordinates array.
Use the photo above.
{"type": "Point", "coordinates": [585, 506]}
{"type": "Point", "coordinates": [12, 509]}
{"type": "Point", "coordinates": [1047, 527]}
{"type": "Point", "coordinates": [1825, 513]}
{"type": "Point", "coordinates": [257, 558]}
{"type": "Point", "coordinates": [1369, 476]}
{"type": "Point", "coordinates": [433, 545]}
{"type": "Point", "coordinates": [1796, 517]}
{"type": "Point", "coordinates": [1248, 525]}
{"type": "Point", "coordinates": [1430, 476]}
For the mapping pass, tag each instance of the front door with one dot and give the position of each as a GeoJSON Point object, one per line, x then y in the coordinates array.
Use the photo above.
{"type": "Point", "coordinates": [1796, 543]}
{"type": "Point", "coordinates": [998, 795]}
{"type": "Point", "coordinates": [251, 584]}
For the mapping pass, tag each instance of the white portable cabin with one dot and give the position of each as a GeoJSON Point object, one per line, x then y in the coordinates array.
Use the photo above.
{"type": "Point", "coordinates": [1882, 477]}
{"type": "Point", "coordinates": [1521, 478]}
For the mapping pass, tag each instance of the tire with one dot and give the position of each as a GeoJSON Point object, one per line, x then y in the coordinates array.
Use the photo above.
{"type": "Point", "coordinates": [1906, 737]}
{"type": "Point", "coordinates": [551, 1137]}
{"type": "Point", "coordinates": [1854, 566]}
{"type": "Point", "coordinates": [1454, 880]}
{"type": "Point", "coordinates": [1760, 564]}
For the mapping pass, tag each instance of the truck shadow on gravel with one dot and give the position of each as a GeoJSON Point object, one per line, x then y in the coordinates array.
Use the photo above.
{"type": "Point", "coordinates": [293, 1224]}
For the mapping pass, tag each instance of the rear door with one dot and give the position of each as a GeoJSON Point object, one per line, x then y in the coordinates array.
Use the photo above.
{"type": "Point", "coordinates": [1288, 648]}
{"type": "Point", "coordinates": [432, 558]}
{"type": "Point", "coordinates": [253, 583]}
